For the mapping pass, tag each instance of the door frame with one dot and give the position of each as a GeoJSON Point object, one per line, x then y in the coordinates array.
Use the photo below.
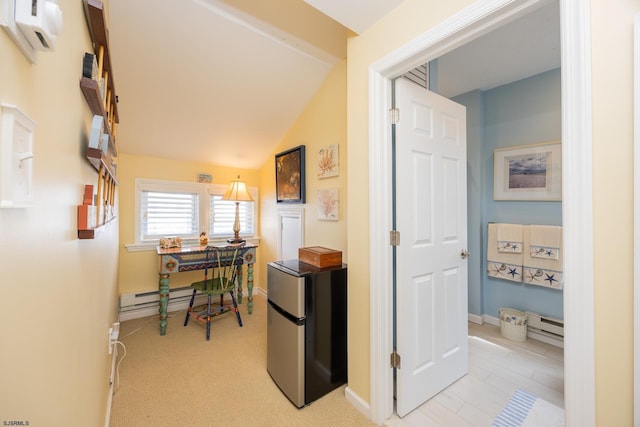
{"type": "Point", "coordinates": [577, 208]}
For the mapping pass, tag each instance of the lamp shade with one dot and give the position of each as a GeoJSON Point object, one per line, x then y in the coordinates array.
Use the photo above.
{"type": "Point", "coordinates": [237, 192]}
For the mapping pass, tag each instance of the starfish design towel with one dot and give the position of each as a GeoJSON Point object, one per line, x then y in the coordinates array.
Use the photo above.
{"type": "Point", "coordinates": [505, 265]}
{"type": "Point", "coordinates": [509, 238]}
{"type": "Point", "coordinates": [545, 241]}
{"type": "Point", "coordinates": [542, 270]}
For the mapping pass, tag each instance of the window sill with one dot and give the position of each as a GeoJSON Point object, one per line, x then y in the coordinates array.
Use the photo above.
{"type": "Point", "coordinates": [151, 246]}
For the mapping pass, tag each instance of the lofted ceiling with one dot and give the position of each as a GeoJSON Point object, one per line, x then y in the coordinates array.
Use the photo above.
{"type": "Point", "coordinates": [202, 80]}
{"type": "Point", "coordinates": [357, 15]}
{"type": "Point", "coordinates": [222, 82]}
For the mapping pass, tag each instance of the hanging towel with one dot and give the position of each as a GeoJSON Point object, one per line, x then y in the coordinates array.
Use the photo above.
{"type": "Point", "coordinates": [510, 238]}
{"type": "Point", "coordinates": [545, 241]}
{"type": "Point", "coordinates": [538, 271]}
{"type": "Point", "coordinates": [502, 265]}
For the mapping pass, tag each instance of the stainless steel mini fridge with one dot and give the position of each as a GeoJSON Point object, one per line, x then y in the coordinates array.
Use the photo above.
{"type": "Point", "coordinates": [306, 329]}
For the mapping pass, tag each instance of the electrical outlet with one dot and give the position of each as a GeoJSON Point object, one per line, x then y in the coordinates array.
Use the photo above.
{"type": "Point", "coordinates": [114, 332]}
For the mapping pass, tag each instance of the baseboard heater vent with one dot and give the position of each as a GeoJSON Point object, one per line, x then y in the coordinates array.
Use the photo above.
{"type": "Point", "coordinates": [545, 325]}
{"type": "Point", "coordinates": [142, 304]}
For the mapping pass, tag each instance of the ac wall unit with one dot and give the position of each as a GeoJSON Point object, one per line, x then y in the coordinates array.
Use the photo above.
{"type": "Point", "coordinates": [40, 21]}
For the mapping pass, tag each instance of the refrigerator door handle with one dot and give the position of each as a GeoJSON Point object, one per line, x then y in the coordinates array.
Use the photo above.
{"type": "Point", "coordinates": [299, 321]}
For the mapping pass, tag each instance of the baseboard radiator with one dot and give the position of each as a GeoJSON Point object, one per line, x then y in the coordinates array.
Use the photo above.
{"type": "Point", "coordinates": [142, 304]}
{"type": "Point", "coordinates": [546, 326]}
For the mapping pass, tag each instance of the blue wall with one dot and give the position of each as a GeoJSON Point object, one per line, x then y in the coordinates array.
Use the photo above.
{"type": "Point", "coordinates": [520, 113]}
{"type": "Point", "coordinates": [474, 102]}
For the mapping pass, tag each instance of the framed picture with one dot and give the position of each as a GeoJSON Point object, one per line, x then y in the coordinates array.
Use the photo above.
{"type": "Point", "coordinates": [204, 178]}
{"type": "Point", "coordinates": [290, 183]}
{"type": "Point", "coordinates": [528, 172]}
{"type": "Point", "coordinates": [328, 161]}
{"type": "Point", "coordinates": [328, 204]}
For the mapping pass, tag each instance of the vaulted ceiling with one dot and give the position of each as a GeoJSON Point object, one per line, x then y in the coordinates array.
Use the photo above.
{"type": "Point", "coordinates": [222, 82]}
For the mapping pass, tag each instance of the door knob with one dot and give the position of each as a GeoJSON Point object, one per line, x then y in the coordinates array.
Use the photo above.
{"type": "Point", "coordinates": [464, 254]}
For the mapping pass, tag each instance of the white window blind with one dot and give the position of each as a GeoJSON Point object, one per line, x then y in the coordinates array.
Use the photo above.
{"type": "Point", "coordinates": [175, 208]}
{"type": "Point", "coordinates": [169, 214]}
{"type": "Point", "coordinates": [223, 215]}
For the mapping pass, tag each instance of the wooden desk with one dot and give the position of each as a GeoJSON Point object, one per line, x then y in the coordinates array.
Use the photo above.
{"type": "Point", "coordinates": [175, 260]}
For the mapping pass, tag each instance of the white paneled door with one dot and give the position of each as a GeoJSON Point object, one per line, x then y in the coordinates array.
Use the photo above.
{"type": "Point", "coordinates": [431, 265]}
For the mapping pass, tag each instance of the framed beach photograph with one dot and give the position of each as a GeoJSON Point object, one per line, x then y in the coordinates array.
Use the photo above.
{"type": "Point", "coordinates": [290, 176]}
{"type": "Point", "coordinates": [528, 172]}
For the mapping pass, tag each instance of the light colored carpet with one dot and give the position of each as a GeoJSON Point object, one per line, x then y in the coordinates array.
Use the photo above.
{"type": "Point", "coordinates": [180, 379]}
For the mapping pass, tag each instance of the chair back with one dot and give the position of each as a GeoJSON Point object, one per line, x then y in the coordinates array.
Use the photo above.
{"type": "Point", "coordinates": [224, 261]}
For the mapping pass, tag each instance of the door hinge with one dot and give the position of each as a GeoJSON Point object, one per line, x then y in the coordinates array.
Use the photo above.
{"type": "Point", "coordinates": [394, 238]}
{"type": "Point", "coordinates": [394, 116]}
{"type": "Point", "coordinates": [395, 360]}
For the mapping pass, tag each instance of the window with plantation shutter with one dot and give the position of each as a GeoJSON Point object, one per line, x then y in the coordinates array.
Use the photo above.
{"type": "Point", "coordinates": [185, 209]}
{"type": "Point", "coordinates": [224, 215]}
{"type": "Point", "coordinates": [169, 214]}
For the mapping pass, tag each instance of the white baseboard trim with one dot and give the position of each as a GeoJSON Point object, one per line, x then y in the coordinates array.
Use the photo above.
{"type": "Point", "coordinates": [495, 321]}
{"type": "Point", "coordinates": [262, 292]}
{"type": "Point", "coordinates": [112, 376]}
{"type": "Point", "coordinates": [474, 318]}
{"type": "Point", "coordinates": [357, 402]}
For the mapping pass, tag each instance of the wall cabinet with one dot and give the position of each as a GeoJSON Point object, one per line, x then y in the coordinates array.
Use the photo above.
{"type": "Point", "coordinates": [16, 157]}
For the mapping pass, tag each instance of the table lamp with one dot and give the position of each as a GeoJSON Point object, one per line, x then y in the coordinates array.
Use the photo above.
{"type": "Point", "coordinates": [237, 192]}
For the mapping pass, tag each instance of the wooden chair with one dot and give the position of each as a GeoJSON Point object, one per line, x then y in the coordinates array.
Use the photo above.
{"type": "Point", "coordinates": [223, 263]}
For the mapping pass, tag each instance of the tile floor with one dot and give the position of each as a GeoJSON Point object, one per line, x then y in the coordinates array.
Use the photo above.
{"type": "Point", "coordinates": [497, 368]}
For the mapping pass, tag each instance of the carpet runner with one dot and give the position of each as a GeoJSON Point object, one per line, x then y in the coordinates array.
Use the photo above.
{"type": "Point", "coordinates": [527, 410]}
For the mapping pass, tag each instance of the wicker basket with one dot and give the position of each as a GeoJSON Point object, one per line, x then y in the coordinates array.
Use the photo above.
{"type": "Point", "coordinates": [513, 324]}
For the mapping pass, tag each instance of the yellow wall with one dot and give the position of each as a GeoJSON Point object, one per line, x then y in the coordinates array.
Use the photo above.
{"type": "Point", "coordinates": [612, 29]}
{"type": "Point", "coordinates": [612, 59]}
{"type": "Point", "coordinates": [59, 294]}
{"type": "Point", "coordinates": [323, 122]}
{"type": "Point", "coordinates": [139, 270]}
{"type": "Point", "coordinates": [407, 21]}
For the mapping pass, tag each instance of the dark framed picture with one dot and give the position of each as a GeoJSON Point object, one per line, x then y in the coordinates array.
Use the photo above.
{"type": "Point", "coordinates": [290, 173]}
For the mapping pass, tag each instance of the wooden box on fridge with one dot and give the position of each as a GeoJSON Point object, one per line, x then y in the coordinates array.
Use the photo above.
{"type": "Point", "coordinates": [320, 257]}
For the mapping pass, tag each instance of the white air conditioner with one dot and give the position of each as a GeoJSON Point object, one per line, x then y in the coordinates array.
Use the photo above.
{"type": "Point", "coordinates": [40, 21]}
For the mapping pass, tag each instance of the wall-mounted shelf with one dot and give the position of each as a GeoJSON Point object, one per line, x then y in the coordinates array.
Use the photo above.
{"type": "Point", "coordinates": [90, 233]}
{"type": "Point", "coordinates": [99, 35]}
{"type": "Point", "coordinates": [97, 158]}
{"type": "Point", "coordinates": [101, 104]}
{"type": "Point", "coordinates": [91, 93]}
{"type": "Point", "coordinates": [101, 98]}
